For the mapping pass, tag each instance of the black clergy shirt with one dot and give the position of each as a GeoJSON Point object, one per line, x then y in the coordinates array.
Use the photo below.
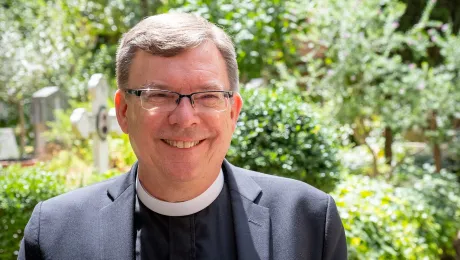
{"type": "Point", "coordinates": [207, 234]}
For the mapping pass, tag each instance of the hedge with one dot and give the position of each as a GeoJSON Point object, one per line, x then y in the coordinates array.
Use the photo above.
{"type": "Point", "coordinates": [279, 133]}
{"type": "Point", "coordinates": [413, 219]}
{"type": "Point", "coordinates": [20, 190]}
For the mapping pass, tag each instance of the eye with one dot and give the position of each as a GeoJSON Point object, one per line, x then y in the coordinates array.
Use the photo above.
{"type": "Point", "coordinates": [158, 96]}
{"type": "Point", "coordinates": [209, 96]}
{"type": "Point", "coordinates": [210, 99]}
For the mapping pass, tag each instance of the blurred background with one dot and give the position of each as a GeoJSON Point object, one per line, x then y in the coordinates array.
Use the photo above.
{"type": "Point", "coordinates": [360, 98]}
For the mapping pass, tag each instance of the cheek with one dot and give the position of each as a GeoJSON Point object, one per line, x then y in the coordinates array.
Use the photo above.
{"type": "Point", "coordinates": [140, 127]}
{"type": "Point", "coordinates": [229, 124]}
{"type": "Point", "coordinates": [225, 126]}
{"type": "Point", "coordinates": [141, 120]}
{"type": "Point", "coordinates": [134, 121]}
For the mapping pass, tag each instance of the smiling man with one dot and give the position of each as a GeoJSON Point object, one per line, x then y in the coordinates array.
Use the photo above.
{"type": "Point", "coordinates": [178, 101]}
{"type": "Point", "coordinates": [180, 141]}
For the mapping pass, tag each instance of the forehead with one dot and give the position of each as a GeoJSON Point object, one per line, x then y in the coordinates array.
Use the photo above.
{"type": "Point", "coordinates": [190, 70]}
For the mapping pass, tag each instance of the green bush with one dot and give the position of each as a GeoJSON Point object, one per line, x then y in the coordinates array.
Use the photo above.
{"type": "Point", "coordinates": [121, 154]}
{"type": "Point", "coordinates": [264, 31]}
{"type": "Point", "coordinates": [440, 192]}
{"type": "Point", "coordinates": [279, 133]}
{"type": "Point", "coordinates": [384, 221]}
{"type": "Point", "coordinates": [20, 190]}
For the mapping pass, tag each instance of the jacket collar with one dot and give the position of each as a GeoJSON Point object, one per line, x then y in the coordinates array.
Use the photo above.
{"type": "Point", "coordinates": [116, 220]}
{"type": "Point", "coordinates": [251, 221]}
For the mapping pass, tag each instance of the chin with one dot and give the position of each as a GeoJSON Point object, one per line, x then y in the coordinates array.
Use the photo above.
{"type": "Point", "coordinates": [184, 174]}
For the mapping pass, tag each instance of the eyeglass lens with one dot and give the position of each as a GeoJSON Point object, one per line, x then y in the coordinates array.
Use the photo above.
{"type": "Point", "coordinates": [168, 101]}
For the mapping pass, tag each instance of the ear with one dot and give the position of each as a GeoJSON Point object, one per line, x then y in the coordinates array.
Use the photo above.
{"type": "Point", "coordinates": [121, 107]}
{"type": "Point", "coordinates": [236, 108]}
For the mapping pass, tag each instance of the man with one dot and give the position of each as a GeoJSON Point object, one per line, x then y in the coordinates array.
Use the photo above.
{"type": "Point", "coordinates": [178, 102]}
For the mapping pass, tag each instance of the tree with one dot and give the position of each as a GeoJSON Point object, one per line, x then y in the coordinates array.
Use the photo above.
{"type": "Point", "coordinates": [45, 43]}
{"type": "Point", "coordinates": [263, 32]}
{"type": "Point", "coordinates": [373, 74]}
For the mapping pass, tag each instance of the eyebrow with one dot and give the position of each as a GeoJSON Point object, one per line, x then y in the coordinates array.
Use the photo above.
{"type": "Point", "coordinates": [211, 86]}
{"type": "Point", "coordinates": [204, 87]}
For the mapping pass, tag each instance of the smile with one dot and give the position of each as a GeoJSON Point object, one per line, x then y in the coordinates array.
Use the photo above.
{"type": "Point", "coordinates": [181, 144]}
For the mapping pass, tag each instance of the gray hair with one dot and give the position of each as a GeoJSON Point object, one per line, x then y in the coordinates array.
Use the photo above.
{"type": "Point", "coordinates": [168, 35]}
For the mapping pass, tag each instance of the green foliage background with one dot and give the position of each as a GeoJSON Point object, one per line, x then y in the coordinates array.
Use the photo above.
{"type": "Point", "coordinates": [279, 133]}
{"type": "Point", "coordinates": [335, 74]}
{"type": "Point", "coordinates": [411, 220]}
{"type": "Point", "coordinates": [21, 189]}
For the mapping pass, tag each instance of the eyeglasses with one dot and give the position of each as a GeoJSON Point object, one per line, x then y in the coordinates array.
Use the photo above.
{"type": "Point", "coordinates": [165, 100]}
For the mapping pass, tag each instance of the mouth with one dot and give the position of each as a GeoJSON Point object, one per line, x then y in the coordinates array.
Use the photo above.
{"type": "Point", "coordinates": [181, 144]}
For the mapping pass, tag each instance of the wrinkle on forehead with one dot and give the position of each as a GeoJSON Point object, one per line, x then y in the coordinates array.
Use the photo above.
{"type": "Point", "coordinates": [200, 68]}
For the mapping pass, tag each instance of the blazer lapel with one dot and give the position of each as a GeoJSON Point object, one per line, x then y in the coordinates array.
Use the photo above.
{"type": "Point", "coordinates": [116, 220]}
{"type": "Point", "coordinates": [251, 221]}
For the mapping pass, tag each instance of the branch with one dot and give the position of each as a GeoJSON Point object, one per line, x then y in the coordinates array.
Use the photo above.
{"type": "Point", "coordinates": [393, 167]}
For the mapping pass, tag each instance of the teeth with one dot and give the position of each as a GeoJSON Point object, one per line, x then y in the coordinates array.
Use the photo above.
{"type": "Point", "coordinates": [181, 144]}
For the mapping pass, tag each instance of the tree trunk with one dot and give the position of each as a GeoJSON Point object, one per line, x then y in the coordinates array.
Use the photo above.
{"type": "Point", "coordinates": [457, 245]}
{"type": "Point", "coordinates": [360, 133]}
{"type": "Point", "coordinates": [22, 127]}
{"type": "Point", "coordinates": [437, 156]}
{"type": "Point", "coordinates": [375, 168]}
{"type": "Point", "coordinates": [388, 146]}
{"type": "Point", "coordinates": [145, 8]}
{"type": "Point", "coordinates": [436, 146]}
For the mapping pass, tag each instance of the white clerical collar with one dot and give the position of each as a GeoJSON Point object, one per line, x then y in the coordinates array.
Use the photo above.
{"type": "Point", "coordinates": [184, 208]}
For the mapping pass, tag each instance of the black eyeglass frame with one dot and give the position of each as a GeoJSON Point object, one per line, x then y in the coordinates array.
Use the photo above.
{"type": "Point", "coordinates": [138, 93]}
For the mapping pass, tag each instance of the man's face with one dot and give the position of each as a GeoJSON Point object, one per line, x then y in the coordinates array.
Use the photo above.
{"type": "Point", "coordinates": [155, 136]}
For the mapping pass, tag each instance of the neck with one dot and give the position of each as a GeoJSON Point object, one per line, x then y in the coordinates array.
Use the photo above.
{"type": "Point", "coordinates": [171, 190]}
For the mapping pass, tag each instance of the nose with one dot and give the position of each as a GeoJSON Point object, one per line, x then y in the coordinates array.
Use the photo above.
{"type": "Point", "coordinates": [184, 115]}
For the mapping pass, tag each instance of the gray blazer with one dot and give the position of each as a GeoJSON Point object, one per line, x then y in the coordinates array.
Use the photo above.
{"type": "Point", "coordinates": [274, 218]}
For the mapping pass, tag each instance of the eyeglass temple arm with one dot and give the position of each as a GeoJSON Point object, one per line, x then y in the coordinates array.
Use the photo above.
{"type": "Point", "coordinates": [136, 92]}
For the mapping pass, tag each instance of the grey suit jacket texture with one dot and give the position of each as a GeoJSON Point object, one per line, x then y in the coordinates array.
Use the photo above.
{"type": "Point", "coordinates": [274, 218]}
